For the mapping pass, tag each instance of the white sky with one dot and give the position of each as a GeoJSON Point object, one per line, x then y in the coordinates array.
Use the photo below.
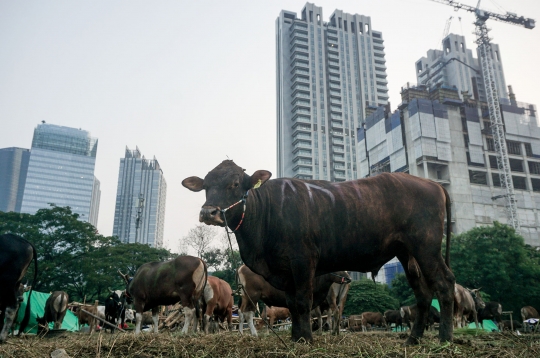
{"type": "Point", "coordinates": [193, 82]}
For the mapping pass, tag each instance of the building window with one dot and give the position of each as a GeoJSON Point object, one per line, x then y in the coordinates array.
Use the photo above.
{"type": "Point", "coordinates": [493, 162]}
{"type": "Point", "coordinates": [516, 165]}
{"type": "Point", "coordinates": [472, 163]}
{"type": "Point", "coordinates": [496, 179]}
{"type": "Point", "coordinates": [513, 147]}
{"type": "Point", "coordinates": [490, 144]}
{"type": "Point", "coordinates": [528, 149]}
{"type": "Point", "coordinates": [478, 177]}
{"type": "Point", "coordinates": [519, 182]}
{"type": "Point", "coordinates": [535, 184]}
{"type": "Point", "coordinates": [534, 167]}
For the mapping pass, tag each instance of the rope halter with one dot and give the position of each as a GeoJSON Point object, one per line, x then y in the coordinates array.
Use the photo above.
{"type": "Point", "coordinates": [223, 211]}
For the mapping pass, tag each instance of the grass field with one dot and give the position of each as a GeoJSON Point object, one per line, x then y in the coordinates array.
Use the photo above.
{"type": "Point", "coordinates": [372, 344]}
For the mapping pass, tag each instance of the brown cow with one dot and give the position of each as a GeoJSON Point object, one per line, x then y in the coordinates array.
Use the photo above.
{"type": "Point", "coordinates": [408, 316]}
{"type": "Point", "coordinates": [374, 319]}
{"type": "Point", "coordinates": [55, 310]}
{"type": "Point", "coordinates": [529, 312]}
{"type": "Point", "coordinates": [291, 230]}
{"type": "Point", "coordinates": [217, 302]}
{"type": "Point", "coordinates": [466, 304]}
{"type": "Point", "coordinates": [336, 299]}
{"type": "Point", "coordinates": [165, 283]}
{"type": "Point", "coordinates": [84, 318]}
{"type": "Point", "coordinates": [255, 288]}
{"type": "Point", "coordinates": [272, 315]}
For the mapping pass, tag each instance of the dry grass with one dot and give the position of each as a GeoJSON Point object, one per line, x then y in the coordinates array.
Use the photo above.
{"type": "Point", "coordinates": [376, 344]}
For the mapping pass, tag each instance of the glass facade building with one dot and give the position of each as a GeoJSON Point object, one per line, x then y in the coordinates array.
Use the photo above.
{"type": "Point", "coordinates": [61, 172]}
{"type": "Point", "coordinates": [329, 76]}
{"type": "Point", "coordinates": [139, 215]}
{"type": "Point", "coordinates": [13, 168]}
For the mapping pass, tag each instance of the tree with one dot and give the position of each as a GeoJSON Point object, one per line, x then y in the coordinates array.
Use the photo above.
{"type": "Point", "coordinates": [199, 238]}
{"type": "Point", "coordinates": [72, 256]}
{"type": "Point", "coordinates": [367, 296]}
{"type": "Point", "coordinates": [402, 291]}
{"type": "Point", "coordinates": [496, 259]}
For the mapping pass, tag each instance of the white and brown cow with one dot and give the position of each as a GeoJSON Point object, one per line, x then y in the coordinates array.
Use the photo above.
{"type": "Point", "coordinates": [217, 303]}
{"type": "Point", "coordinates": [55, 310]}
{"type": "Point", "coordinates": [467, 302]}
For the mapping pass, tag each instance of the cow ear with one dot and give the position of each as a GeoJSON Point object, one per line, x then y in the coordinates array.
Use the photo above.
{"type": "Point", "coordinates": [193, 183]}
{"type": "Point", "coordinates": [259, 178]}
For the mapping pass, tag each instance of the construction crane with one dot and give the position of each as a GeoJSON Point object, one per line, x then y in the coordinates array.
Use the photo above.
{"type": "Point", "coordinates": [446, 29]}
{"type": "Point", "coordinates": [497, 127]}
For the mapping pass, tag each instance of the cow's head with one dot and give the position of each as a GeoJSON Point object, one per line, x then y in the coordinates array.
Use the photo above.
{"type": "Point", "coordinates": [477, 298]}
{"type": "Point", "coordinates": [225, 185]}
{"type": "Point", "coordinates": [126, 293]}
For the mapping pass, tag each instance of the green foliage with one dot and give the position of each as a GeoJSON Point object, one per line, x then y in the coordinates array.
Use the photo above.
{"type": "Point", "coordinates": [402, 291]}
{"type": "Point", "coordinates": [73, 257]}
{"type": "Point", "coordinates": [496, 259]}
{"type": "Point", "coordinates": [365, 295]}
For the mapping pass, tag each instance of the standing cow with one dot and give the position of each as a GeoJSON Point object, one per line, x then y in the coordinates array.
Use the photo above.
{"type": "Point", "coordinates": [255, 288]}
{"type": "Point", "coordinates": [217, 303]}
{"type": "Point", "coordinates": [466, 305]}
{"type": "Point", "coordinates": [165, 283]}
{"type": "Point", "coordinates": [291, 230]}
{"type": "Point", "coordinates": [16, 254]}
{"type": "Point", "coordinates": [493, 311]}
{"type": "Point", "coordinates": [372, 319]}
{"type": "Point", "coordinates": [55, 310]}
{"type": "Point", "coordinates": [273, 315]}
{"type": "Point", "coordinates": [115, 309]}
{"type": "Point", "coordinates": [528, 312]}
{"type": "Point", "coordinates": [409, 313]}
{"type": "Point", "coordinates": [394, 316]}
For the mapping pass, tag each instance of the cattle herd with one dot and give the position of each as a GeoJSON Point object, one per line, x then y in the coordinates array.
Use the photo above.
{"type": "Point", "coordinates": [296, 238]}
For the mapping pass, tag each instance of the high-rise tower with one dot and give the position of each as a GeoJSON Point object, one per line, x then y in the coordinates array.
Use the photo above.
{"type": "Point", "coordinates": [139, 215]}
{"type": "Point", "coordinates": [61, 171]}
{"type": "Point", "coordinates": [329, 77]}
{"type": "Point", "coordinates": [455, 66]}
{"type": "Point", "coordinates": [13, 168]}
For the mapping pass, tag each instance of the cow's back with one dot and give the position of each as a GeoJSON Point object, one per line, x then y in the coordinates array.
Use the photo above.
{"type": "Point", "coordinates": [15, 257]}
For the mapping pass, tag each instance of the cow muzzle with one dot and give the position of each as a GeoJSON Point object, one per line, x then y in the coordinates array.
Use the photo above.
{"type": "Point", "coordinates": [211, 215]}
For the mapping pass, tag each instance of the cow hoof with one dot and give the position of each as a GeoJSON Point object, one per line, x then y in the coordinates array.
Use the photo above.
{"type": "Point", "coordinates": [412, 341]}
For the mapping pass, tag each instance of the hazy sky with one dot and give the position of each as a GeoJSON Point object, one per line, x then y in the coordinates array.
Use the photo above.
{"type": "Point", "coordinates": [193, 82]}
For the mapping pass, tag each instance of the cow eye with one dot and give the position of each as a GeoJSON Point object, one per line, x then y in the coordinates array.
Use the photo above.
{"type": "Point", "coordinates": [235, 185]}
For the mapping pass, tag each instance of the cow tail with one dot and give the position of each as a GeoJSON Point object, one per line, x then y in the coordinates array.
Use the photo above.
{"type": "Point", "coordinates": [448, 225]}
{"type": "Point", "coordinates": [26, 317]}
{"type": "Point", "coordinates": [197, 301]}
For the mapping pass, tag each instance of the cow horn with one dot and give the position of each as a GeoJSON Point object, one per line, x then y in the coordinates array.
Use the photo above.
{"type": "Point", "coordinates": [110, 290]}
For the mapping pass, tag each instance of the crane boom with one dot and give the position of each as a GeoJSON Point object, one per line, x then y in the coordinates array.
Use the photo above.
{"type": "Point", "coordinates": [509, 17]}
{"type": "Point", "coordinates": [492, 96]}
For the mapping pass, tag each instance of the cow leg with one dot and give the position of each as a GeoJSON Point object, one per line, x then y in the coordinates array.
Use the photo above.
{"type": "Point", "coordinates": [138, 321]}
{"type": "Point", "coordinates": [249, 318]}
{"type": "Point", "coordinates": [240, 322]}
{"type": "Point", "coordinates": [10, 313]}
{"type": "Point", "coordinates": [155, 318]}
{"type": "Point", "coordinates": [300, 300]}
{"type": "Point", "coordinates": [2, 317]}
{"type": "Point", "coordinates": [319, 320]}
{"type": "Point", "coordinates": [190, 315]}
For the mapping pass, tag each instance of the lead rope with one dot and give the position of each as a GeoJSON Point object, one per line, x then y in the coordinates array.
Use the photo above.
{"type": "Point", "coordinates": [239, 285]}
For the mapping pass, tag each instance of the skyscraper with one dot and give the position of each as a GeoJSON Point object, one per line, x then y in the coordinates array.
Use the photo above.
{"type": "Point", "coordinates": [455, 66]}
{"type": "Point", "coordinates": [139, 215]}
{"type": "Point", "coordinates": [61, 171]}
{"type": "Point", "coordinates": [13, 168]}
{"type": "Point", "coordinates": [329, 76]}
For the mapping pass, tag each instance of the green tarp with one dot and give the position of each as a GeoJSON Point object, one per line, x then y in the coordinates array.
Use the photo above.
{"type": "Point", "coordinates": [488, 324]}
{"type": "Point", "coordinates": [37, 308]}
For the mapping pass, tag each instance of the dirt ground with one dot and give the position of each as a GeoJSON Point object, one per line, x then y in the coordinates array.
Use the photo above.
{"type": "Point", "coordinates": [370, 344]}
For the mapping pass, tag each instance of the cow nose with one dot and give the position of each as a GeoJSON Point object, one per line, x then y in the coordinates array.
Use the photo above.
{"type": "Point", "coordinates": [210, 215]}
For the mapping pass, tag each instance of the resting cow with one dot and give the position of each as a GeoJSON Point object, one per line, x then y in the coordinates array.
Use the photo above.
{"type": "Point", "coordinates": [165, 283]}
{"type": "Point", "coordinates": [55, 310]}
{"type": "Point", "coordinates": [256, 288]}
{"type": "Point", "coordinates": [217, 303]}
{"type": "Point", "coordinates": [291, 230]}
{"type": "Point", "coordinates": [16, 254]}
{"type": "Point", "coordinates": [466, 304]}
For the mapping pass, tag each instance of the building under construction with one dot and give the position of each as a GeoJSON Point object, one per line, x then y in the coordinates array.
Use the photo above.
{"type": "Point", "coordinates": [434, 134]}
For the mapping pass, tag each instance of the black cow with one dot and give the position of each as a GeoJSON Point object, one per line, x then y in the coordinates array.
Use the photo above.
{"type": "Point", "coordinates": [16, 254]}
{"type": "Point", "coordinates": [394, 316]}
{"type": "Point", "coordinates": [493, 311]}
{"type": "Point", "coordinates": [291, 230]}
{"type": "Point", "coordinates": [115, 308]}
{"type": "Point", "coordinates": [55, 311]}
{"type": "Point", "coordinates": [165, 283]}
